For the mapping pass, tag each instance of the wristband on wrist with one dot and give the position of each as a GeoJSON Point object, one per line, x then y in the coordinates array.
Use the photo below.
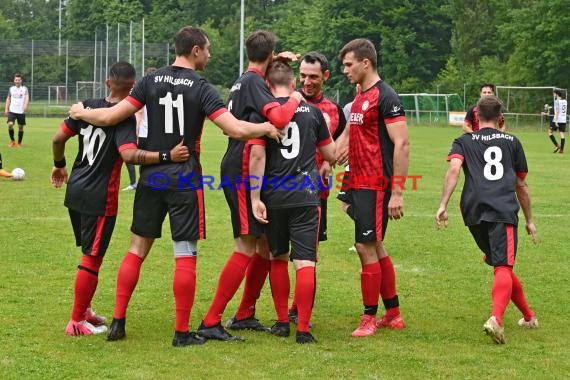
{"type": "Point", "coordinates": [164, 156]}
{"type": "Point", "coordinates": [59, 164]}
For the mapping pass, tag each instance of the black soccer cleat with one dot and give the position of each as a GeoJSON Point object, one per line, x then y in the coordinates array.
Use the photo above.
{"type": "Point", "coordinates": [304, 337]}
{"type": "Point", "coordinates": [183, 339]}
{"type": "Point", "coordinates": [250, 323]}
{"type": "Point", "coordinates": [117, 329]}
{"type": "Point", "coordinates": [294, 317]}
{"type": "Point", "coordinates": [217, 332]}
{"type": "Point", "coordinates": [281, 329]}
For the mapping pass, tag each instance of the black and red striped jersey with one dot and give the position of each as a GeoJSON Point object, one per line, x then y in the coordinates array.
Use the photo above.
{"type": "Point", "coordinates": [177, 100]}
{"type": "Point", "coordinates": [336, 126]}
{"type": "Point", "coordinates": [291, 173]}
{"type": "Point", "coordinates": [492, 160]}
{"type": "Point", "coordinates": [249, 99]}
{"type": "Point", "coordinates": [371, 151]}
{"type": "Point", "coordinates": [472, 116]}
{"type": "Point", "coordinates": [95, 177]}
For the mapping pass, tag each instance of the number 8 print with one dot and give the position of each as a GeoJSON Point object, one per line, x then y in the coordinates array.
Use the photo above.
{"type": "Point", "coordinates": [493, 156]}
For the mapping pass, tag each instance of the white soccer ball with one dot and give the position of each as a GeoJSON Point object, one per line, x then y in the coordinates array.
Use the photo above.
{"type": "Point", "coordinates": [18, 174]}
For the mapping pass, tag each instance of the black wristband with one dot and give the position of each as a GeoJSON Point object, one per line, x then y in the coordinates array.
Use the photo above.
{"type": "Point", "coordinates": [59, 164]}
{"type": "Point", "coordinates": [164, 156]}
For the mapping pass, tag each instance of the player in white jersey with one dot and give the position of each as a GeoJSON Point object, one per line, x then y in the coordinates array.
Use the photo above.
{"type": "Point", "coordinates": [16, 105]}
{"type": "Point", "coordinates": [559, 120]}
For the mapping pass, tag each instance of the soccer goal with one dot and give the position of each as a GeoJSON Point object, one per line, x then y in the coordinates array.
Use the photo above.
{"type": "Point", "coordinates": [523, 105]}
{"type": "Point", "coordinates": [57, 95]}
{"type": "Point", "coordinates": [431, 108]}
{"type": "Point", "coordinates": [87, 90]}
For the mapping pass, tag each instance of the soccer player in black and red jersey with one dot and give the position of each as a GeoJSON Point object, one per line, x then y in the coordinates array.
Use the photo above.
{"type": "Point", "coordinates": [92, 191]}
{"type": "Point", "coordinates": [249, 98]}
{"type": "Point", "coordinates": [288, 173]}
{"type": "Point", "coordinates": [377, 135]}
{"type": "Point", "coordinates": [177, 100]}
{"type": "Point", "coordinates": [495, 170]}
{"type": "Point", "coordinates": [313, 73]}
{"type": "Point", "coordinates": [471, 122]}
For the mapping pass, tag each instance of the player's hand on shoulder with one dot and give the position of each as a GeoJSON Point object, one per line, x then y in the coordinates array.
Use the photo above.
{"type": "Point", "coordinates": [532, 231]}
{"type": "Point", "coordinates": [180, 152]}
{"type": "Point", "coordinates": [76, 110]}
{"type": "Point", "coordinates": [274, 133]}
{"type": "Point", "coordinates": [58, 177]}
{"type": "Point", "coordinates": [441, 217]}
{"type": "Point", "coordinates": [297, 95]}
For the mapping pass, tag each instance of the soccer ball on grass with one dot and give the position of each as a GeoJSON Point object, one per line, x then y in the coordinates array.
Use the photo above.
{"type": "Point", "coordinates": [18, 174]}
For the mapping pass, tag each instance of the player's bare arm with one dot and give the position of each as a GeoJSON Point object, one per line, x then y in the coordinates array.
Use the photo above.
{"type": "Point", "coordinates": [243, 130]}
{"type": "Point", "coordinates": [103, 117]}
{"type": "Point", "coordinates": [341, 146]}
{"type": "Point", "coordinates": [179, 153]}
{"type": "Point", "coordinates": [523, 195]}
{"type": "Point", "coordinates": [398, 133]}
{"type": "Point", "coordinates": [59, 173]}
{"type": "Point", "coordinates": [449, 184]}
{"type": "Point", "coordinates": [256, 170]}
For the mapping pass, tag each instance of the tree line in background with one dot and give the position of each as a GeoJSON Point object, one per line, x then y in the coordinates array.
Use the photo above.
{"type": "Point", "coordinates": [423, 45]}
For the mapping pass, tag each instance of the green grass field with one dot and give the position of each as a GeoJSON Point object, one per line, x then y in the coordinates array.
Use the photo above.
{"type": "Point", "coordinates": [444, 286]}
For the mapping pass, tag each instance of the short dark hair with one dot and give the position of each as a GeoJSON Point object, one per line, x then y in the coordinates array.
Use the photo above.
{"type": "Point", "coordinates": [18, 75]}
{"type": "Point", "coordinates": [259, 45]}
{"type": "Point", "coordinates": [559, 93]}
{"type": "Point", "coordinates": [313, 57]}
{"type": "Point", "coordinates": [490, 85]}
{"type": "Point", "coordinates": [279, 73]}
{"type": "Point", "coordinates": [150, 70]}
{"type": "Point", "coordinates": [362, 49]}
{"type": "Point", "coordinates": [489, 108]}
{"type": "Point", "coordinates": [187, 38]}
{"type": "Point", "coordinates": [122, 71]}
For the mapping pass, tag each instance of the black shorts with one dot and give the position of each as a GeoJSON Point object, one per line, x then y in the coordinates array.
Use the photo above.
{"type": "Point", "coordinates": [243, 221]}
{"type": "Point", "coordinates": [298, 225]}
{"type": "Point", "coordinates": [498, 241]}
{"type": "Point", "coordinates": [323, 221]}
{"type": "Point", "coordinates": [345, 191]}
{"type": "Point", "coordinates": [561, 127]}
{"type": "Point", "coordinates": [92, 232]}
{"type": "Point", "coordinates": [20, 117]}
{"type": "Point", "coordinates": [370, 214]}
{"type": "Point", "coordinates": [184, 208]}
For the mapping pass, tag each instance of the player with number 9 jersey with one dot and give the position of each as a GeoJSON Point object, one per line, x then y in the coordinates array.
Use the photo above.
{"type": "Point", "coordinates": [492, 160]}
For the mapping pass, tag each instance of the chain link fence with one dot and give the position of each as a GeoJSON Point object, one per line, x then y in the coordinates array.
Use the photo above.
{"type": "Point", "coordinates": [59, 73]}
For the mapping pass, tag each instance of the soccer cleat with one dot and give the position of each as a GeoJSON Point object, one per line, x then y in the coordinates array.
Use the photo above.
{"type": "Point", "coordinates": [75, 328]}
{"type": "Point", "coordinates": [304, 337]}
{"type": "Point", "coordinates": [557, 149]}
{"type": "Point", "coordinates": [117, 329]}
{"type": "Point", "coordinates": [183, 339]}
{"type": "Point", "coordinates": [367, 326]}
{"type": "Point", "coordinates": [92, 317]}
{"type": "Point", "coordinates": [282, 329]}
{"type": "Point", "coordinates": [294, 317]}
{"type": "Point", "coordinates": [496, 332]}
{"type": "Point", "coordinates": [530, 324]}
{"type": "Point", "coordinates": [217, 332]}
{"type": "Point", "coordinates": [19, 145]}
{"type": "Point", "coordinates": [250, 323]}
{"type": "Point", "coordinates": [561, 151]}
{"type": "Point", "coordinates": [130, 187]}
{"type": "Point", "coordinates": [12, 144]}
{"type": "Point", "coordinates": [394, 323]}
